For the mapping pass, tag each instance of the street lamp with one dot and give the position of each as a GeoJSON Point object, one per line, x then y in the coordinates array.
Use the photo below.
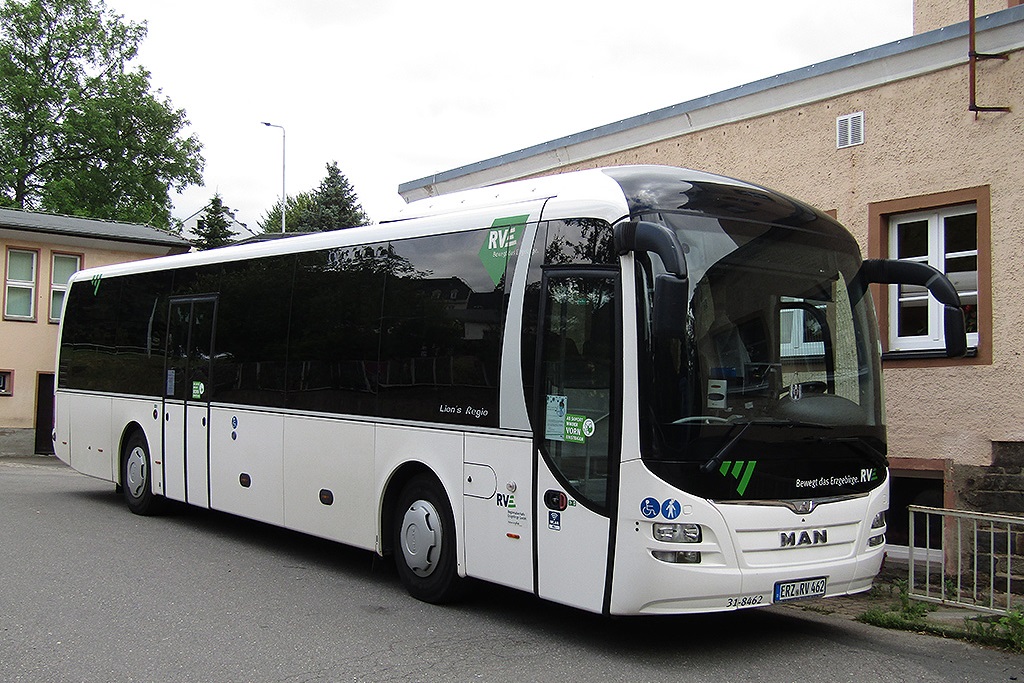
{"type": "Point", "coordinates": [284, 200]}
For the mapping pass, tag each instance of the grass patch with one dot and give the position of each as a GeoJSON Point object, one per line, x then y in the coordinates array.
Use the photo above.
{"type": "Point", "coordinates": [905, 614]}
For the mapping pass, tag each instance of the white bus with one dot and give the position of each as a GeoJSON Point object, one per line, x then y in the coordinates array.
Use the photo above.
{"type": "Point", "coordinates": [576, 386]}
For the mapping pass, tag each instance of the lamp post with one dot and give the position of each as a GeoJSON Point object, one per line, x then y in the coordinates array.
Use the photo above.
{"type": "Point", "coordinates": [284, 201]}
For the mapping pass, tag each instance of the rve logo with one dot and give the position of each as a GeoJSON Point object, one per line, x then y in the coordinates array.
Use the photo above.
{"type": "Point", "coordinates": [870, 474]}
{"type": "Point", "coordinates": [508, 501]}
{"type": "Point", "coordinates": [501, 243]}
{"type": "Point", "coordinates": [741, 470]}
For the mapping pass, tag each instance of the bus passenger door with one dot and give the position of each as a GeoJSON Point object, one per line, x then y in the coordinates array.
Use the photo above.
{"type": "Point", "coordinates": [577, 432]}
{"type": "Point", "coordinates": [187, 399]}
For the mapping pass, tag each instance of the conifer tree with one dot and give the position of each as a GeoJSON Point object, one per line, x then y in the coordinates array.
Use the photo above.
{"type": "Point", "coordinates": [214, 228]}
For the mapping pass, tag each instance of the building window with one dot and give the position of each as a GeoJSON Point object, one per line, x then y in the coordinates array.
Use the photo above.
{"type": "Point", "coordinates": [850, 130]}
{"type": "Point", "coordinates": [63, 267]}
{"type": "Point", "coordinates": [947, 240]}
{"type": "Point", "coordinates": [6, 382]}
{"type": "Point", "coordinates": [951, 232]}
{"type": "Point", "coordinates": [20, 290]}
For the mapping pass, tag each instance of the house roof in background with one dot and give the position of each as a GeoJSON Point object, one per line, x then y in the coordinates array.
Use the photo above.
{"type": "Point", "coordinates": [88, 228]}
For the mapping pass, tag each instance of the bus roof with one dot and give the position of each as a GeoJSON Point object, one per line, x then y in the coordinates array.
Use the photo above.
{"type": "Point", "coordinates": [609, 194]}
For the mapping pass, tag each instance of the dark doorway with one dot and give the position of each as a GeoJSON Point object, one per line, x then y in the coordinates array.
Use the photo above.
{"type": "Point", "coordinates": [44, 414]}
{"type": "Point", "coordinates": [905, 491]}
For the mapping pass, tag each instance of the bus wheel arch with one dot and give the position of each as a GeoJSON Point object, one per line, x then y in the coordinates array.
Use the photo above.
{"type": "Point", "coordinates": [136, 472]}
{"type": "Point", "coordinates": [420, 527]}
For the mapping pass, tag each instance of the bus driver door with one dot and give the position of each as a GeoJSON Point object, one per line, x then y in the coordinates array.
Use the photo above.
{"type": "Point", "coordinates": [577, 434]}
{"type": "Point", "coordinates": [187, 393]}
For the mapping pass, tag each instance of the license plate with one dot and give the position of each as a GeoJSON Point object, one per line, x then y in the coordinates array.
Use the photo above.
{"type": "Point", "coordinates": [804, 588]}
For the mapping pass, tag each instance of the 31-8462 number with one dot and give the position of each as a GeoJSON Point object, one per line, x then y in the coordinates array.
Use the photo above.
{"type": "Point", "coordinates": [745, 601]}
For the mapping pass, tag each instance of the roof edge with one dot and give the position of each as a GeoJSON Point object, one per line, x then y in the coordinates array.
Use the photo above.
{"type": "Point", "coordinates": [91, 228]}
{"type": "Point", "coordinates": [555, 153]}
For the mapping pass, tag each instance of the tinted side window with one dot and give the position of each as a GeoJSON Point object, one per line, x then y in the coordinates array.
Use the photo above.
{"type": "Point", "coordinates": [441, 336]}
{"type": "Point", "coordinates": [579, 241]}
{"type": "Point", "coordinates": [87, 343]}
{"type": "Point", "coordinates": [335, 324]}
{"type": "Point", "coordinates": [250, 349]}
{"type": "Point", "coordinates": [576, 241]}
{"type": "Point", "coordinates": [140, 334]}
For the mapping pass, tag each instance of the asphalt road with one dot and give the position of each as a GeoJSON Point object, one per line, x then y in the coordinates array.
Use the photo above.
{"type": "Point", "coordinates": [90, 592]}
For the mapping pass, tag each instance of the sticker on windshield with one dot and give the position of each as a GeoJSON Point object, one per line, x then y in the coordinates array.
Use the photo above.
{"type": "Point", "coordinates": [554, 417]}
{"type": "Point", "coordinates": [741, 470]}
{"type": "Point", "coordinates": [561, 425]}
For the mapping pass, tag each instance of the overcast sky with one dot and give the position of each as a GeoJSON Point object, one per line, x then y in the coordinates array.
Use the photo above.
{"type": "Point", "coordinates": [395, 90]}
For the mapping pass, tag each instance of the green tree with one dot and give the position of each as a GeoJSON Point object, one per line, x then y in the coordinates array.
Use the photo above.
{"type": "Point", "coordinates": [294, 217]}
{"type": "Point", "coordinates": [331, 206]}
{"type": "Point", "coordinates": [81, 132]}
{"type": "Point", "coordinates": [335, 203]}
{"type": "Point", "coordinates": [214, 228]}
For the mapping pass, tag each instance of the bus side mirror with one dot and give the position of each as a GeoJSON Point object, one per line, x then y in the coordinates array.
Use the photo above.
{"type": "Point", "coordinates": [672, 288]}
{"type": "Point", "coordinates": [893, 272]}
{"type": "Point", "coordinates": [955, 330]}
{"type": "Point", "coordinates": [646, 236]}
{"type": "Point", "coordinates": [671, 299]}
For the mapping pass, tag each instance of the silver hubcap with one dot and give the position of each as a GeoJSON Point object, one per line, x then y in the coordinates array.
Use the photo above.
{"type": "Point", "coordinates": [421, 538]}
{"type": "Point", "coordinates": [135, 472]}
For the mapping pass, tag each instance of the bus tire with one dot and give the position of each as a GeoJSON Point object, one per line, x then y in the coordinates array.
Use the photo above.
{"type": "Point", "coordinates": [424, 542]}
{"type": "Point", "coordinates": [136, 476]}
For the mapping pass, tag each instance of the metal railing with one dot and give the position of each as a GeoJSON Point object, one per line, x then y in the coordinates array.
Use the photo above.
{"type": "Point", "coordinates": [971, 563]}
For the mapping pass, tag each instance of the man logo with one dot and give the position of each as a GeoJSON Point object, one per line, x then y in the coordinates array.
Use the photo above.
{"type": "Point", "coordinates": [795, 539]}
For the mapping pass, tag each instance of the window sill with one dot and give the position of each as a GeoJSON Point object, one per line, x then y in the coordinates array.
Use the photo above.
{"type": "Point", "coordinates": [926, 354]}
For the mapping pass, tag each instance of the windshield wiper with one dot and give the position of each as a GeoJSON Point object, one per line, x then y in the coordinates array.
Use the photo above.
{"type": "Point", "coordinates": [715, 460]}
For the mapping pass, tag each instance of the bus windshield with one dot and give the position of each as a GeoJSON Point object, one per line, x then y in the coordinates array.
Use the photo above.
{"type": "Point", "coordinates": [773, 392]}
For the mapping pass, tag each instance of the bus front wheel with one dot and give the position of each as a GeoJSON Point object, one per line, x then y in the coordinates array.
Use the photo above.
{"type": "Point", "coordinates": [136, 476]}
{"type": "Point", "coordinates": [424, 542]}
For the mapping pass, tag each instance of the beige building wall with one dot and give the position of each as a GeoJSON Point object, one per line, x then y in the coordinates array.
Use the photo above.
{"type": "Point", "coordinates": [29, 348]}
{"type": "Point", "coordinates": [919, 139]}
{"type": "Point", "coordinates": [932, 14]}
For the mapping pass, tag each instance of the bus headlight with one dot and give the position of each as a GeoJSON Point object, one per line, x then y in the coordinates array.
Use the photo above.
{"type": "Point", "coordinates": [677, 556]}
{"type": "Point", "coordinates": [879, 521]}
{"type": "Point", "coordinates": [677, 533]}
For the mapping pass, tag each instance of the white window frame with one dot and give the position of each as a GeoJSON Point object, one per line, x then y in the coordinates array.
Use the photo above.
{"type": "Point", "coordinates": [850, 130]}
{"type": "Point", "coordinates": [792, 323]}
{"type": "Point", "coordinates": [936, 257]}
{"type": "Point", "coordinates": [29, 285]}
{"type": "Point", "coordinates": [61, 287]}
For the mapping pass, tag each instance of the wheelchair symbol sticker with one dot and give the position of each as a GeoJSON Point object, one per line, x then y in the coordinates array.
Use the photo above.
{"type": "Point", "coordinates": [650, 507]}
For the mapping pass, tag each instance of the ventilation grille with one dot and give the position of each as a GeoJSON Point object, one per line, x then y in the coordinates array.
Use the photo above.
{"type": "Point", "coordinates": [850, 130]}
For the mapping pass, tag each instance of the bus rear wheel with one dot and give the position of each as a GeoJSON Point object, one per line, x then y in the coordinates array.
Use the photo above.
{"type": "Point", "coordinates": [136, 477]}
{"type": "Point", "coordinates": [424, 542]}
